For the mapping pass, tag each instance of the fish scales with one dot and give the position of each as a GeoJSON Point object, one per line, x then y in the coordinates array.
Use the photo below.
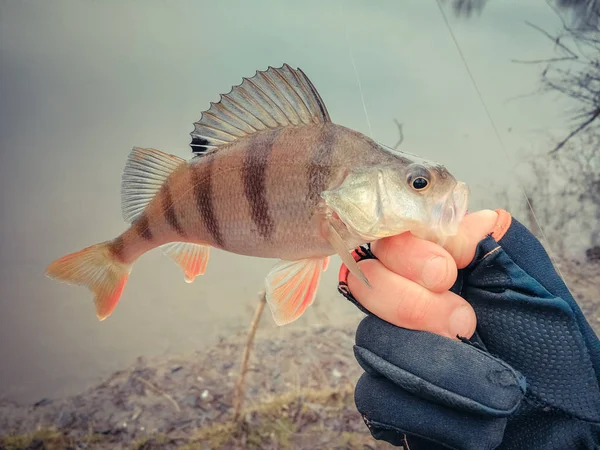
{"type": "Point", "coordinates": [265, 203]}
{"type": "Point", "coordinates": [256, 197]}
{"type": "Point", "coordinates": [185, 207]}
{"type": "Point", "coordinates": [203, 194]}
{"type": "Point", "coordinates": [272, 177]}
{"type": "Point", "coordinates": [257, 160]}
{"type": "Point", "coordinates": [166, 218]}
{"type": "Point", "coordinates": [306, 161]}
{"type": "Point", "coordinates": [168, 209]}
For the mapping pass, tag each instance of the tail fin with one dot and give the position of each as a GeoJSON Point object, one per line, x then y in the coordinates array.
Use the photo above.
{"type": "Point", "coordinates": [96, 268]}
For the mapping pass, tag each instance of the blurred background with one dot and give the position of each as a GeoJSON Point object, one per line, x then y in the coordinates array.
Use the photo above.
{"type": "Point", "coordinates": [83, 81]}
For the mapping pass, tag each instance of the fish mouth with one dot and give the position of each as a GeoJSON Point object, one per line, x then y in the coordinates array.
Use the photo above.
{"type": "Point", "coordinates": [453, 209]}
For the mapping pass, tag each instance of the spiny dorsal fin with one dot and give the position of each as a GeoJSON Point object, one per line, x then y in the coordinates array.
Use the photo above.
{"type": "Point", "coordinates": [145, 172]}
{"type": "Point", "coordinates": [270, 99]}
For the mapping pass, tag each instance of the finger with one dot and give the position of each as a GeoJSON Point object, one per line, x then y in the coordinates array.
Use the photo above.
{"type": "Point", "coordinates": [473, 228]}
{"type": "Point", "coordinates": [418, 260]}
{"type": "Point", "coordinates": [407, 304]}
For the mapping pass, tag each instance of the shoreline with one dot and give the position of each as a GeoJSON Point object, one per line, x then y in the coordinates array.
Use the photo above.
{"type": "Point", "coordinates": [303, 382]}
{"type": "Point", "coordinates": [299, 394]}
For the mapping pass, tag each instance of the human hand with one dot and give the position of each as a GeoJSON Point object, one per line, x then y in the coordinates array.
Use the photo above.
{"type": "Point", "coordinates": [527, 379]}
{"type": "Point", "coordinates": [411, 278]}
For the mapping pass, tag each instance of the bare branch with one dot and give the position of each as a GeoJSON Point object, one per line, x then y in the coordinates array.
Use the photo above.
{"type": "Point", "coordinates": [158, 391]}
{"type": "Point", "coordinates": [399, 125]}
{"type": "Point", "coordinates": [466, 8]}
{"type": "Point", "coordinates": [583, 13]}
{"type": "Point", "coordinates": [541, 61]}
{"type": "Point", "coordinates": [577, 130]}
{"type": "Point", "coordinates": [555, 39]}
{"type": "Point", "coordinates": [575, 73]}
{"type": "Point", "coordinates": [240, 386]}
{"type": "Point", "coordinates": [564, 188]}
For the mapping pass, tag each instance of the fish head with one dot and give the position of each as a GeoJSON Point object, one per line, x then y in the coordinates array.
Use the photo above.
{"type": "Point", "coordinates": [403, 195]}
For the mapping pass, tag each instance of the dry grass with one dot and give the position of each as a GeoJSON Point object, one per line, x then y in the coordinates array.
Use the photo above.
{"type": "Point", "coordinates": [305, 419]}
{"type": "Point", "coordinates": [298, 395]}
{"type": "Point", "coordinates": [47, 439]}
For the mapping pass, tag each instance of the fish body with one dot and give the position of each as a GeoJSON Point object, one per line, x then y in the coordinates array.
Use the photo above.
{"type": "Point", "coordinates": [272, 177]}
{"type": "Point", "coordinates": [258, 197]}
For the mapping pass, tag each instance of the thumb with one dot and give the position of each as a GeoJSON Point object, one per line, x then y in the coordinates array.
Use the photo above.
{"type": "Point", "coordinates": [473, 228]}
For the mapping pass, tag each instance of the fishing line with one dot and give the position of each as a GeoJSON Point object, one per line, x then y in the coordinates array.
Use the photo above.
{"type": "Point", "coordinates": [360, 89]}
{"type": "Point", "coordinates": [500, 140]}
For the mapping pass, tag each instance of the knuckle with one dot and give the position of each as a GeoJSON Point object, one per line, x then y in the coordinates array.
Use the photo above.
{"type": "Point", "coordinates": [421, 307]}
{"type": "Point", "coordinates": [413, 307]}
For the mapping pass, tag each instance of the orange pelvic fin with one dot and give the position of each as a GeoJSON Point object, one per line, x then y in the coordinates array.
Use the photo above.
{"type": "Point", "coordinates": [96, 268]}
{"type": "Point", "coordinates": [192, 258]}
{"type": "Point", "coordinates": [291, 287]}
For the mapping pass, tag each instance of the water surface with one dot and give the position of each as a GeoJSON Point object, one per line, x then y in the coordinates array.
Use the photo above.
{"type": "Point", "coordinates": [82, 82]}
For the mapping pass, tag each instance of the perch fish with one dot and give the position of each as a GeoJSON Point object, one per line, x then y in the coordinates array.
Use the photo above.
{"type": "Point", "coordinates": [271, 177]}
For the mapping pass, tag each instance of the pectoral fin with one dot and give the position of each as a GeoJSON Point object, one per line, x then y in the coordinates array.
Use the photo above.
{"type": "Point", "coordinates": [291, 287]}
{"type": "Point", "coordinates": [341, 249]}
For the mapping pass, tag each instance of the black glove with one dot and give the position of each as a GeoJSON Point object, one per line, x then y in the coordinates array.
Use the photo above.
{"type": "Point", "coordinates": [528, 379]}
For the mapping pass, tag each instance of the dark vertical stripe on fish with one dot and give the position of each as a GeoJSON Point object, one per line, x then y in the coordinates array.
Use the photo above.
{"type": "Point", "coordinates": [254, 175]}
{"type": "Point", "coordinates": [117, 248]}
{"type": "Point", "coordinates": [142, 227]}
{"type": "Point", "coordinates": [202, 180]}
{"type": "Point", "coordinates": [319, 167]}
{"type": "Point", "coordinates": [169, 209]}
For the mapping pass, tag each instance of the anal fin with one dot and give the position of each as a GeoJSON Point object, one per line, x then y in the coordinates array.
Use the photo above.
{"type": "Point", "coordinates": [192, 258]}
{"type": "Point", "coordinates": [291, 287]}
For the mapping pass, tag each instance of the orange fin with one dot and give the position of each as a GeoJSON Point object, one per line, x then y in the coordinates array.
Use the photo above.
{"type": "Point", "coordinates": [291, 287]}
{"type": "Point", "coordinates": [192, 258]}
{"type": "Point", "coordinates": [96, 268]}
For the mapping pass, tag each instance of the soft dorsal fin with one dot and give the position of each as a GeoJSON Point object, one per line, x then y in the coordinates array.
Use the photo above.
{"type": "Point", "coordinates": [145, 172]}
{"type": "Point", "coordinates": [270, 99]}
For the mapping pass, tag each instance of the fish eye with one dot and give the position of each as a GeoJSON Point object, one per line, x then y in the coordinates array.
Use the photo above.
{"type": "Point", "coordinates": [420, 183]}
{"type": "Point", "coordinates": [419, 177]}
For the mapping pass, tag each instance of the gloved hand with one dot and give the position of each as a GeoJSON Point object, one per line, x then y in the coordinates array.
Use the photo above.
{"type": "Point", "coordinates": [528, 379]}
